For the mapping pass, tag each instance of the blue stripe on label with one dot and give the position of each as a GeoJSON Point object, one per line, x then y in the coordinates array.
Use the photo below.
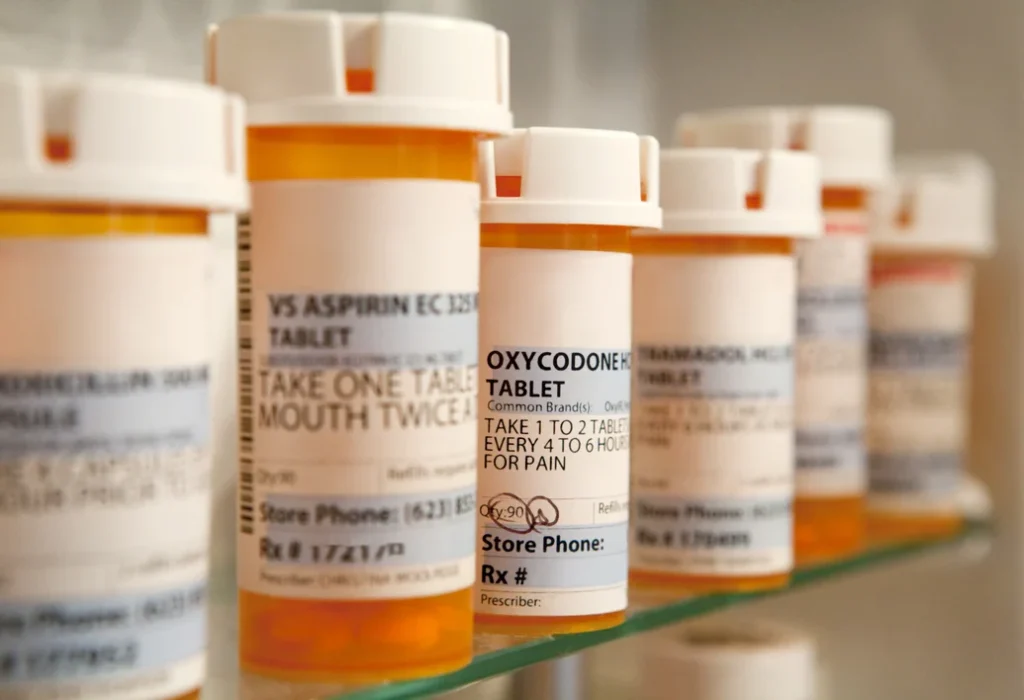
{"type": "Point", "coordinates": [831, 312]}
{"type": "Point", "coordinates": [363, 331]}
{"type": "Point", "coordinates": [919, 351]}
{"type": "Point", "coordinates": [715, 372]}
{"type": "Point", "coordinates": [556, 381]}
{"type": "Point", "coordinates": [101, 637]}
{"type": "Point", "coordinates": [389, 530]}
{"type": "Point", "coordinates": [109, 412]}
{"type": "Point", "coordinates": [579, 556]}
{"type": "Point", "coordinates": [830, 447]}
{"type": "Point", "coordinates": [915, 473]}
{"type": "Point", "coordinates": [712, 523]}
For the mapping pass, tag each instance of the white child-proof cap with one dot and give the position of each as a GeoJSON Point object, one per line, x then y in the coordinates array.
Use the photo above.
{"type": "Point", "coordinates": [731, 661]}
{"type": "Point", "coordinates": [730, 191]}
{"type": "Point", "coordinates": [428, 72]}
{"type": "Point", "coordinates": [853, 143]}
{"type": "Point", "coordinates": [572, 176]}
{"type": "Point", "coordinates": [936, 203]}
{"type": "Point", "coordinates": [132, 141]}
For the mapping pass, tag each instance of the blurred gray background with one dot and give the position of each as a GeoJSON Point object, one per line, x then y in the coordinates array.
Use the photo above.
{"type": "Point", "coordinates": [949, 70]}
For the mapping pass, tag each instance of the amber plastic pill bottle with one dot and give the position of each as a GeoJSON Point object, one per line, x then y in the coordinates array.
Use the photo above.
{"type": "Point", "coordinates": [933, 223]}
{"type": "Point", "coordinates": [106, 184]}
{"type": "Point", "coordinates": [714, 308]}
{"type": "Point", "coordinates": [555, 361]}
{"type": "Point", "coordinates": [358, 283]}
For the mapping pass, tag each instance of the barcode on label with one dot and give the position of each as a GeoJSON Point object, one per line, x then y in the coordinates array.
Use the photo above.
{"type": "Point", "coordinates": [246, 496]}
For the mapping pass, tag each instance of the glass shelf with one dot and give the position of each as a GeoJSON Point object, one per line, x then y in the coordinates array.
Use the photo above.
{"type": "Point", "coordinates": [497, 655]}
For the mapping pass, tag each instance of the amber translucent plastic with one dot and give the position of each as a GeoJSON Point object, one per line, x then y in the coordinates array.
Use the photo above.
{"type": "Point", "coordinates": [357, 640]}
{"type": "Point", "coordinates": [830, 527]}
{"type": "Point", "coordinates": [717, 245]}
{"type": "Point", "coordinates": [44, 219]}
{"type": "Point", "coordinates": [884, 527]}
{"type": "Point", "coordinates": [39, 220]}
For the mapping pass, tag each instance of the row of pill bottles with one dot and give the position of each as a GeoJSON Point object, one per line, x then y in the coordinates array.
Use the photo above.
{"type": "Point", "coordinates": [532, 238]}
{"type": "Point", "coordinates": [554, 239]}
{"type": "Point", "coordinates": [554, 418]}
{"type": "Point", "coordinates": [881, 435]}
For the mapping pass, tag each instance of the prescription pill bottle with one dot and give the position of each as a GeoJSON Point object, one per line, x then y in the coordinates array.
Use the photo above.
{"type": "Point", "coordinates": [737, 660]}
{"type": "Point", "coordinates": [358, 285]}
{"type": "Point", "coordinates": [558, 206]}
{"type": "Point", "coordinates": [714, 323]}
{"type": "Point", "coordinates": [106, 183]}
{"type": "Point", "coordinates": [933, 223]}
{"type": "Point", "coordinates": [854, 147]}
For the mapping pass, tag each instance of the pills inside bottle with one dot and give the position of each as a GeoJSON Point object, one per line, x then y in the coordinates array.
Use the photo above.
{"type": "Point", "coordinates": [358, 281]}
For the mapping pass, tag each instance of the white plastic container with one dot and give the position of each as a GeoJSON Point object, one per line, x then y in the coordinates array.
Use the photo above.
{"type": "Point", "coordinates": [730, 661]}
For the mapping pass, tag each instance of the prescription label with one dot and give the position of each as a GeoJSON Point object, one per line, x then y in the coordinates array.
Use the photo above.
{"type": "Point", "coordinates": [712, 485]}
{"type": "Point", "coordinates": [358, 375]}
{"type": "Point", "coordinates": [920, 326]}
{"type": "Point", "coordinates": [104, 467]}
{"type": "Point", "coordinates": [554, 428]}
{"type": "Point", "coordinates": [831, 358]}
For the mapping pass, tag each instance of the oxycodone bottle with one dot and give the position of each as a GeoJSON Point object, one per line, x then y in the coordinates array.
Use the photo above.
{"type": "Point", "coordinates": [555, 360]}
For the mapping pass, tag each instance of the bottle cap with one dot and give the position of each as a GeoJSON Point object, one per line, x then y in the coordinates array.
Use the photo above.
{"type": "Point", "coordinates": [936, 203]}
{"type": "Point", "coordinates": [853, 143]}
{"type": "Point", "coordinates": [748, 661]}
{"type": "Point", "coordinates": [974, 499]}
{"type": "Point", "coordinates": [388, 69]}
{"type": "Point", "coordinates": [571, 176]}
{"type": "Point", "coordinates": [728, 191]}
{"type": "Point", "coordinates": [127, 140]}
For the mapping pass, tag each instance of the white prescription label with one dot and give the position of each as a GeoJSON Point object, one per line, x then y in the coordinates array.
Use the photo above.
{"type": "Point", "coordinates": [104, 466]}
{"type": "Point", "coordinates": [920, 325]}
{"type": "Point", "coordinates": [831, 358]}
{"type": "Point", "coordinates": [358, 354]}
{"type": "Point", "coordinates": [554, 432]}
{"type": "Point", "coordinates": [712, 484]}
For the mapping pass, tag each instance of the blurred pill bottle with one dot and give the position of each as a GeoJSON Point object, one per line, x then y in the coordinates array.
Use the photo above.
{"type": "Point", "coordinates": [933, 223]}
{"type": "Point", "coordinates": [358, 283]}
{"type": "Point", "coordinates": [106, 185]}
{"type": "Point", "coordinates": [714, 309]}
{"type": "Point", "coordinates": [555, 361]}
{"type": "Point", "coordinates": [739, 660]}
{"type": "Point", "coordinates": [854, 147]}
